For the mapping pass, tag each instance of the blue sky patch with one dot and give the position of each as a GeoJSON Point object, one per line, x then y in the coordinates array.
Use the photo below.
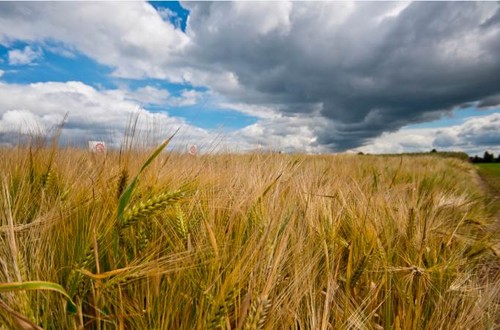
{"type": "Point", "coordinates": [54, 67]}
{"type": "Point", "coordinates": [456, 117]}
{"type": "Point", "coordinates": [173, 11]}
{"type": "Point", "coordinates": [210, 118]}
{"type": "Point", "coordinates": [173, 88]}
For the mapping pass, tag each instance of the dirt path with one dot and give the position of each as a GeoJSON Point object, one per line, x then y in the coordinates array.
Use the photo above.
{"type": "Point", "coordinates": [494, 201]}
{"type": "Point", "coordinates": [491, 191]}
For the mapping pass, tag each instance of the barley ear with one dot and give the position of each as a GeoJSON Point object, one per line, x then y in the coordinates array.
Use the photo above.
{"type": "Point", "coordinates": [257, 315]}
{"type": "Point", "coordinates": [410, 227]}
{"type": "Point", "coordinates": [127, 193]}
{"type": "Point", "coordinates": [358, 271]}
{"type": "Point", "coordinates": [150, 207]}
{"type": "Point", "coordinates": [181, 225]}
{"type": "Point", "coordinates": [224, 309]}
{"type": "Point", "coordinates": [122, 182]}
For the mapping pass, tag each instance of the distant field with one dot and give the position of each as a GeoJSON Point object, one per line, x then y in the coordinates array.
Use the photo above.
{"type": "Point", "coordinates": [258, 241]}
{"type": "Point", "coordinates": [491, 174]}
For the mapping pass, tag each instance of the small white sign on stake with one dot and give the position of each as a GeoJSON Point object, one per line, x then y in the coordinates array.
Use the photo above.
{"type": "Point", "coordinates": [192, 149]}
{"type": "Point", "coordinates": [98, 147]}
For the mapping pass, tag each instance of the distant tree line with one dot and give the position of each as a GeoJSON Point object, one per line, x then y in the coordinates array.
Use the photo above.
{"type": "Point", "coordinates": [487, 158]}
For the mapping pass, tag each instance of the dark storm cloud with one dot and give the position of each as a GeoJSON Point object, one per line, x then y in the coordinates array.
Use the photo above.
{"type": "Point", "coordinates": [494, 20]}
{"type": "Point", "coordinates": [370, 68]}
{"type": "Point", "coordinates": [490, 101]}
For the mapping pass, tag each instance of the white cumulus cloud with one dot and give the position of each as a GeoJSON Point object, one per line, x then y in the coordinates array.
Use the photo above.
{"type": "Point", "coordinates": [148, 95]}
{"type": "Point", "coordinates": [474, 136]}
{"type": "Point", "coordinates": [24, 56]}
{"type": "Point", "coordinates": [130, 37]}
{"type": "Point", "coordinates": [91, 114]}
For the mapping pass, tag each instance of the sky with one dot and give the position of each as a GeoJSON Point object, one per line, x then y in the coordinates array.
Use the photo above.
{"type": "Point", "coordinates": [308, 77]}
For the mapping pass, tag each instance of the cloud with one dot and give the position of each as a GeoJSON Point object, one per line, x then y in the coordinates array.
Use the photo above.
{"type": "Point", "coordinates": [92, 114]}
{"type": "Point", "coordinates": [473, 136]}
{"type": "Point", "coordinates": [24, 121]}
{"type": "Point", "coordinates": [281, 133]}
{"type": "Point", "coordinates": [370, 67]}
{"type": "Point", "coordinates": [340, 73]}
{"type": "Point", "coordinates": [24, 56]}
{"type": "Point", "coordinates": [186, 98]}
{"type": "Point", "coordinates": [132, 37]}
{"type": "Point", "coordinates": [481, 131]}
{"type": "Point", "coordinates": [169, 15]}
{"type": "Point", "coordinates": [259, 111]}
{"type": "Point", "coordinates": [490, 102]}
{"type": "Point", "coordinates": [1, 73]}
{"type": "Point", "coordinates": [149, 95]}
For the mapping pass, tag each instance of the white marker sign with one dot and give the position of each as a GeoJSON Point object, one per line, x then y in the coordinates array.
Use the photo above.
{"type": "Point", "coordinates": [192, 149]}
{"type": "Point", "coordinates": [99, 147]}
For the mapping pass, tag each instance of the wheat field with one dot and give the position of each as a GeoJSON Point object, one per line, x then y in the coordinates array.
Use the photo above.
{"type": "Point", "coordinates": [244, 241]}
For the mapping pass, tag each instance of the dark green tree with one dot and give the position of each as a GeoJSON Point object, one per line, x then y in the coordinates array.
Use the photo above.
{"type": "Point", "coordinates": [488, 158]}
